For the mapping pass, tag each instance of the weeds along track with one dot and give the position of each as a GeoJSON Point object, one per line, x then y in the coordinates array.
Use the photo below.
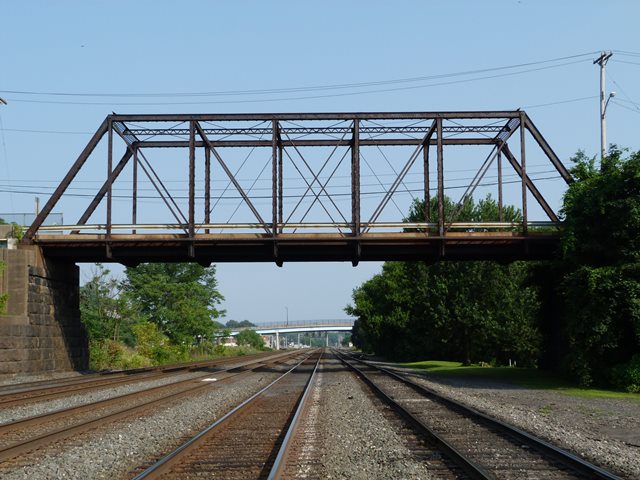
{"type": "Point", "coordinates": [25, 437]}
{"type": "Point", "coordinates": [483, 447]}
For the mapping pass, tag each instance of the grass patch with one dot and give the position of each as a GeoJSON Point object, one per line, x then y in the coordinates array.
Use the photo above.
{"type": "Point", "coordinates": [520, 377]}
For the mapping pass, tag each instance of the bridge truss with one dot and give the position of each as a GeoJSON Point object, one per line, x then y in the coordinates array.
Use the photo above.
{"type": "Point", "coordinates": [316, 150]}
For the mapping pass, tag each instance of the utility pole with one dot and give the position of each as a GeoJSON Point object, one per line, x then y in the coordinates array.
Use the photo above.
{"type": "Point", "coordinates": [602, 61]}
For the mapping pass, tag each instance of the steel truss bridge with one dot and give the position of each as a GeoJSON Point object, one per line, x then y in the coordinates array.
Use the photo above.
{"type": "Point", "coordinates": [316, 148]}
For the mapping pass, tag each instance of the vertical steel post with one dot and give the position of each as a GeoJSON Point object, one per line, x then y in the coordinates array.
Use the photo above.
{"type": "Point", "coordinates": [280, 185]}
{"type": "Point", "coordinates": [355, 178]}
{"type": "Point", "coordinates": [427, 190]}
{"type": "Point", "coordinates": [500, 212]}
{"type": "Point", "coordinates": [109, 172]}
{"type": "Point", "coordinates": [274, 176]}
{"type": "Point", "coordinates": [440, 178]}
{"type": "Point", "coordinates": [192, 178]}
{"type": "Point", "coordinates": [207, 187]}
{"type": "Point", "coordinates": [134, 205]}
{"type": "Point", "coordinates": [523, 162]}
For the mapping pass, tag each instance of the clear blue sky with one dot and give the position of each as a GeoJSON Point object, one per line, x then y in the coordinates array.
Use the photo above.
{"type": "Point", "coordinates": [158, 46]}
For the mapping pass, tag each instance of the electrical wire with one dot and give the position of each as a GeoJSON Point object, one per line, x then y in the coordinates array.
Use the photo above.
{"type": "Point", "coordinates": [303, 89]}
{"type": "Point", "coordinates": [265, 197]}
{"type": "Point", "coordinates": [306, 97]}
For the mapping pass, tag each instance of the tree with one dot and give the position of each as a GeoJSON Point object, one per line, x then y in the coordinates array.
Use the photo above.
{"type": "Point", "coordinates": [181, 298]}
{"type": "Point", "coordinates": [104, 312]}
{"type": "Point", "coordinates": [600, 288]}
{"type": "Point", "coordinates": [250, 338]}
{"type": "Point", "coordinates": [469, 311]}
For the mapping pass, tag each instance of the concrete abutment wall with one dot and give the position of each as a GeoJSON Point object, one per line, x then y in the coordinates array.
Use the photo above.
{"type": "Point", "coordinates": [41, 329]}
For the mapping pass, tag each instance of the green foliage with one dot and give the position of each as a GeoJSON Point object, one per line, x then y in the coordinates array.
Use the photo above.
{"type": "Point", "coordinates": [180, 298]}
{"type": "Point", "coordinates": [160, 314]}
{"type": "Point", "coordinates": [17, 231]}
{"type": "Point", "coordinates": [109, 354]}
{"type": "Point", "coordinates": [602, 210]}
{"type": "Point", "coordinates": [250, 338]}
{"type": "Point", "coordinates": [627, 375]}
{"type": "Point", "coordinates": [470, 311]}
{"type": "Point", "coordinates": [105, 313]}
{"type": "Point", "coordinates": [601, 286]}
{"type": "Point", "coordinates": [346, 340]}
{"type": "Point", "coordinates": [153, 344]}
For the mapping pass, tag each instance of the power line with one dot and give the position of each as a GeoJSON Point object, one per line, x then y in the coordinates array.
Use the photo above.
{"type": "Point", "coordinates": [625, 106]}
{"type": "Point", "coordinates": [307, 97]}
{"type": "Point", "coordinates": [63, 132]}
{"type": "Point", "coordinates": [629, 63]}
{"type": "Point", "coordinates": [265, 197]}
{"type": "Point", "coordinates": [303, 89]}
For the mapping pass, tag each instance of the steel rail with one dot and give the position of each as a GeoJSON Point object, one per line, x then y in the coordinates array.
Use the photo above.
{"type": "Point", "coordinates": [280, 463]}
{"type": "Point", "coordinates": [43, 390]}
{"type": "Point", "coordinates": [472, 469]}
{"type": "Point", "coordinates": [165, 463]}
{"type": "Point", "coordinates": [20, 447]}
{"type": "Point", "coordinates": [567, 458]}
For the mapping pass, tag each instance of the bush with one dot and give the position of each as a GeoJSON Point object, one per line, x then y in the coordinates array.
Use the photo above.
{"type": "Point", "coordinates": [111, 355]}
{"type": "Point", "coordinates": [627, 375]}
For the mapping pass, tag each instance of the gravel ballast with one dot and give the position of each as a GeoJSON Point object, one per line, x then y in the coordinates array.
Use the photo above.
{"type": "Point", "coordinates": [362, 439]}
{"type": "Point", "coordinates": [119, 450]}
{"type": "Point", "coordinates": [603, 431]}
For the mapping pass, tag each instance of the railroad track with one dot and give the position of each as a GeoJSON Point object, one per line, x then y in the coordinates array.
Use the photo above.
{"type": "Point", "coordinates": [252, 440]}
{"type": "Point", "coordinates": [483, 447]}
{"type": "Point", "coordinates": [22, 394]}
{"type": "Point", "coordinates": [23, 437]}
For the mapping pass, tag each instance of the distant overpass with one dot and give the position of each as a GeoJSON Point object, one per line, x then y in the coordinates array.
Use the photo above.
{"type": "Point", "coordinates": [300, 326]}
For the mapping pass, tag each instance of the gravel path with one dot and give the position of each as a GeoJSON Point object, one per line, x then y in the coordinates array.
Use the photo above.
{"type": "Point", "coordinates": [603, 431]}
{"type": "Point", "coordinates": [119, 451]}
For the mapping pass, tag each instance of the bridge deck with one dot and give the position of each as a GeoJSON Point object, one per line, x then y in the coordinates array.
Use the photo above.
{"type": "Point", "coordinates": [254, 247]}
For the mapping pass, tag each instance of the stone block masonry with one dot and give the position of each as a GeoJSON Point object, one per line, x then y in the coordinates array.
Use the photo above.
{"type": "Point", "coordinates": [41, 329]}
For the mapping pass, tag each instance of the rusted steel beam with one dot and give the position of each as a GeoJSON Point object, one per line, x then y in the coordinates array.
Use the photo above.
{"type": "Point", "coordinates": [68, 178]}
{"type": "Point", "coordinates": [562, 170]}
{"type": "Point", "coordinates": [302, 130]}
{"type": "Point", "coordinates": [427, 190]}
{"type": "Point", "coordinates": [355, 179]}
{"type": "Point", "coordinates": [134, 193]}
{"type": "Point", "coordinates": [524, 176]}
{"type": "Point", "coordinates": [313, 143]}
{"type": "Point", "coordinates": [103, 190]}
{"type": "Point", "coordinates": [192, 178]}
{"type": "Point", "coordinates": [532, 188]}
{"type": "Point", "coordinates": [109, 172]}
{"type": "Point", "coordinates": [267, 117]}
{"type": "Point", "coordinates": [274, 177]}
{"type": "Point", "coordinates": [207, 187]}
{"type": "Point", "coordinates": [280, 183]}
{"type": "Point", "coordinates": [440, 177]}
{"type": "Point", "coordinates": [500, 200]}
{"type": "Point", "coordinates": [403, 173]}
{"type": "Point", "coordinates": [229, 173]}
